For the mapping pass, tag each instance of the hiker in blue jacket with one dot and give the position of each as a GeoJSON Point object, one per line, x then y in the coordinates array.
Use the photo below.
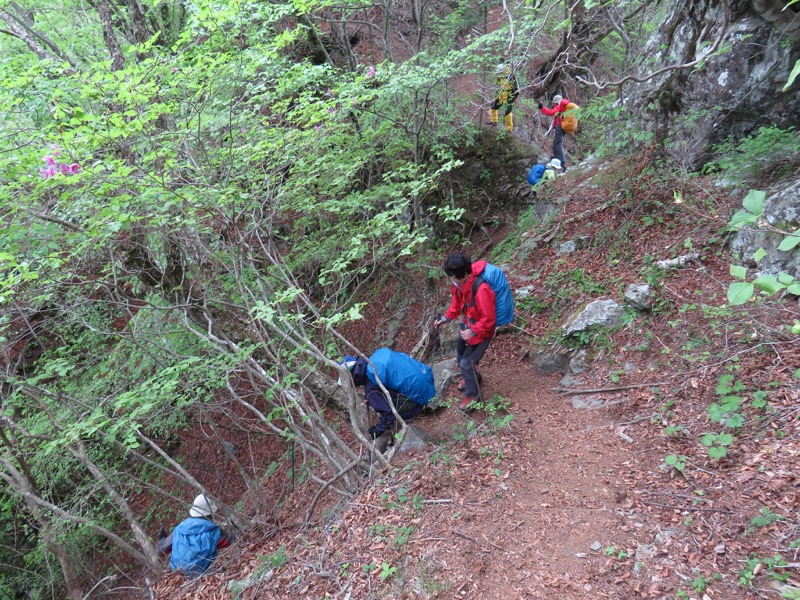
{"type": "Point", "coordinates": [377, 400]}
{"type": "Point", "coordinates": [194, 543]}
{"type": "Point", "coordinates": [540, 173]}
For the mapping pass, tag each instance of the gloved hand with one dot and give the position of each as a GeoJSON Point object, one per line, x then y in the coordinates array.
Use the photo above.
{"type": "Point", "coordinates": [373, 432]}
{"type": "Point", "coordinates": [541, 106]}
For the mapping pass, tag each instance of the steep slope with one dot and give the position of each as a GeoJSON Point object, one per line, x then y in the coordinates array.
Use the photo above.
{"type": "Point", "coordinates": [574, 498]}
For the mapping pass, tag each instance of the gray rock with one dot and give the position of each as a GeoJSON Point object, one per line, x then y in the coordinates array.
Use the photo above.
{"type": "Point", "coordinates": [581, 361]}
{"type": "Point", "coordinates": [781, 210]}
{"type": "Point", "coordinates": [586, 402]}
{"type": "Point", "coordinates": [605, 313]}
{"type": "Point", "coordinates": [567, 247]}
{"type": "Point", "coordinates": [678, 262]}
{"type": "Point", "coordinates": [550, 362]}
{"type": "Point", "coordinates": [416, 439]}
{"type": "Point", "coordinates": [443, 373]}
{"type": "Point", "coordinates": [523, 292]}
{"type": "Point", "coordinates": [570, 381]}
{"type": "Point", "coordinates": [638, 296]}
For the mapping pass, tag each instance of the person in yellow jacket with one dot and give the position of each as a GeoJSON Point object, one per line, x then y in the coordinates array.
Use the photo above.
{"type": "Point", "coordinates": [508, 90]}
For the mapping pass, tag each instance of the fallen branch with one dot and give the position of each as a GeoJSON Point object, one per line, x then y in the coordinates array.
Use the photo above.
{"type": "Point", "coordinates": [695, 508]}
{"type": "Point", "coordinates": [608, 389]}
{"type": "Point", "coordinates": [325, 486]}
{"type": "Point", "coordinates": [466, 537]}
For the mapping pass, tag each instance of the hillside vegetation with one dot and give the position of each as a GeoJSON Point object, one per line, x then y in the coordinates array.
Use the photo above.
{"type": "Point", "coordinates": [206, 205]}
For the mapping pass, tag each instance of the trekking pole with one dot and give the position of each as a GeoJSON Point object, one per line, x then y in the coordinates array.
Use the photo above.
{"type": "Point", "coordinates": [436, 341]}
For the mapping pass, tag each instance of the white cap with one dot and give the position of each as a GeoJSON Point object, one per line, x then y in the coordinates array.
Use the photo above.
{"type": "Point", "coordinates": [557, 99]}
{"type": "Point", "coordinates": [202, 507]}
{"type": "Point", "coordinates": [555, 163]}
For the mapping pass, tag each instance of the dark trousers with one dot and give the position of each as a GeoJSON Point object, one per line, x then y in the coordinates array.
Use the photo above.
{"type": "Point", "coordinates": [468, 357]}
{"type": "Point", "coordinates": [558, 146]}
{"type": "Point", "coordinates": [407, 409]}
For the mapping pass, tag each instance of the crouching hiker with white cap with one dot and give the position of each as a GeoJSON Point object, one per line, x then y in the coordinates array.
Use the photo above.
{"type": "Point", "coordinates": [194, 543]}
{"type": "Point", "coordinates": [542, 173]}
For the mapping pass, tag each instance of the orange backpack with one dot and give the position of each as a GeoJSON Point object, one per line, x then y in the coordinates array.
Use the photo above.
{"type": "Point", "coordinates": [569, 122]}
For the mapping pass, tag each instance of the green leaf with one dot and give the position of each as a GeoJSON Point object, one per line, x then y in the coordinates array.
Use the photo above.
{"type": "Point", "coordinates": [726, 439]}
{"type": "Point", "coordinates": [708, 439]}
{"type": "Point", "coordinates": [792, 76]}
{"type": "Point", "coordinates": [739, 293]}
{"type": "Point", "coordinates": [742, 218]}
{"type": "Point", "coordinates": [717, 452]}
{"type": "Point", "coordinates": [734, 422]}
{"type": "Point", "coordinates": [754, 202]}
{"type": "Point", "coordinates": [794, 289]}
{"type": "Point", "coordinates": [739, 272]}
{"type": "Point", "coordinates": [790, 241]}
{"type": "Point", "coordinates": [769, 284]}
{"type": "Point", "coordinates": [759, 254]}
{"type": "Point", "coordinates": [785, 278]}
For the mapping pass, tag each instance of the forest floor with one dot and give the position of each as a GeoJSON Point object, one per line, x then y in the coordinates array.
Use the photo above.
{"type": "Point", "coordinates": [573, 498]}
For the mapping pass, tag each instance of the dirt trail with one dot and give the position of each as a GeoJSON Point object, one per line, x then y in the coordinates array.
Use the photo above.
{"type": "Point", "coordinates": [559, 494]}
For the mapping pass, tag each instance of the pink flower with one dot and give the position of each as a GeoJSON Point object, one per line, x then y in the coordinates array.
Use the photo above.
{"type": "Point", "coordinates": [55, 149]}
{"type": "Point", "coordinates": [52, 168]}
{"type": "Point", "coordinates": [48, 171]}
{"type": "Point", "coordinates": [370, 72]}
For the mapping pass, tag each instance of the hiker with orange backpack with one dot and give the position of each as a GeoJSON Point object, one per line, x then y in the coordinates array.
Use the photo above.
{"type": "Point", "coordinates": [481, 295]}
{"type": "Point", "coordinates": [557, 112]}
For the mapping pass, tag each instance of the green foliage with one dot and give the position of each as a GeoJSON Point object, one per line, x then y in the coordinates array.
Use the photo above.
{"type": "Point", "coordinates": [387, 571]}
{"type": "Point", "coordinates": [771, 563]}
{"type": "Point", "coordinates": [765, 518]}
{"type": "Point", "coordinates": [675, 461]}
{"type": "Point", "coordinates": [497, 411]}
{"type": "Point", "coordinates": [757, 154]}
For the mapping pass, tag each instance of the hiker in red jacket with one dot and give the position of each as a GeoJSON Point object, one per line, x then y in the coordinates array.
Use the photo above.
{"type": "Point", "coordinates": [557, 112]}
{"type": "Point", "coordinates": [477, 325]}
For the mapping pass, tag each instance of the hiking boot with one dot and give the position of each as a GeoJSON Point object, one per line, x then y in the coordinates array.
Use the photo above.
{"type": "Point", "coordinates": [465, 405]}
{"type": "Point", "coordinates": [460, 385]}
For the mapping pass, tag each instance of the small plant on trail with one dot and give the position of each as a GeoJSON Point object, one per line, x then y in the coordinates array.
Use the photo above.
{"type": "Point", "coordinates": [676, 462]}
{"type": "Point", "coordinates": [404, 533]}
{"type": "Point", "coordinates": [387, 571]}
{"type": "Point", "coordinates": [755, 565]}
{"type": "Point", "coordinates": [724, 410]}
{"type": "Point", "coordinates": [717, 444]}
{"type": "Point", "coordinates": [496, 409]}
{"type": "Point", "coordinates": [764, 519]}
{"type": "Point", "coordinates": [674, 430]}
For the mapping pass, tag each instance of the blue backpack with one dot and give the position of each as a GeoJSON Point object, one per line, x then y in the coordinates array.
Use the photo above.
{"type": "Point", "coordinates": [504, 299]}
{"type": "Point", "coordinates": [400, 372]}
{"type": "Point", "coordinates": [535, 174]}
{"type": "Point", "coordinates": [194, 546]}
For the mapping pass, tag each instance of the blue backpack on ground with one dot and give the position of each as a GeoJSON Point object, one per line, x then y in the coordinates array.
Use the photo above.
{"type": "Point", "coordinates": [535, 174]}
{"type": "Point", "coordinates": [400, 372]}
{"type": "Point", "coordinates": [504, 299]}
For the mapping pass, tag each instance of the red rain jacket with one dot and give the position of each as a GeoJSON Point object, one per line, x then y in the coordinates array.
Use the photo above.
{"type": "Point", "coordinates": [482, 315]}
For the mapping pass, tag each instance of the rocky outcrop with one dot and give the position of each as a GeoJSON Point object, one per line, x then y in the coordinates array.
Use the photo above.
{"type": "Point", "coordinates": [781, 212]}
{"type": "Point", "coordinates": [731, 93]}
